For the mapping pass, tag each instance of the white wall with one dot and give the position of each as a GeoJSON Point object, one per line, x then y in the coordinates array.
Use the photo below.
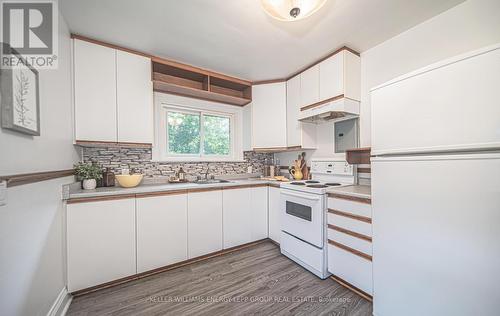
{"type": "Point", "coordinates": [466, 27]}
{"type": "Point", "coordinates": [32, 265]}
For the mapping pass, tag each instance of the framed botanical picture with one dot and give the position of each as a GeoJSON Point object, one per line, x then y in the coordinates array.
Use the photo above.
{"type": "Point", "coordinates": [20, 98]}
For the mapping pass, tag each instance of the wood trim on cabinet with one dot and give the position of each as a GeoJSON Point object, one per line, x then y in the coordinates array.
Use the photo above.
{"type": "Point", "coordinates": [196, 190]}
{"type": "Point", "coordinates": [27, 178]}
{"type": "Point", "coordinates": [351, 250]}
{"type": "Point", "coordinates": [322, 59]}
{"type": "Point", "coordinates": [276, 149]}
{"type": "Point", "coordinates": [100, 198]}
{"type": "Point", "coordinates": [98, 42]}
{"type": "Point", "coordinates": [350, 215]}
{"type": "Point", "coordinates": [364, 170]}
{"type": "Point", "coordinates": [350, 232]}
{"type": "Point", "coordinates": [91, 143]}
{"type": "Point", "coordinates": [256, 83]}
{"type": "Point", "coordinates": [350, 198]}
{"type": "Point", "coordinates": [244, 186]}
{"type": "Point", "coordinates": [314, 105]}
{"type": "Point", "coordinates": [161, 193]}
{"type": "Point", "coordinates": [167, 268]}
{"type": "Point", "coordinates": [274, 185]}
{"type": "Point", "coordinates": [351, 287]}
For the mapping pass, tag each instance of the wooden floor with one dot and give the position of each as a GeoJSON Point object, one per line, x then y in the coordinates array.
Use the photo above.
{"type": "Point", "coordinates": [256, 280]}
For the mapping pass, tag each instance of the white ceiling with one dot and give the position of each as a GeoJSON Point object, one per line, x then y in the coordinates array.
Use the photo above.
{"type": "Point", "coordinates": [237, 37]}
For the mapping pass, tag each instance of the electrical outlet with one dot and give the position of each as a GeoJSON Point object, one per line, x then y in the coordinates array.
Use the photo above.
{"type": "Point", "coordinates": [3, 193]}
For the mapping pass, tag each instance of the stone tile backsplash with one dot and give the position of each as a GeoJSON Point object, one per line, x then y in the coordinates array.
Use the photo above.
{"type": "Point", "coordinates": [140, 159]}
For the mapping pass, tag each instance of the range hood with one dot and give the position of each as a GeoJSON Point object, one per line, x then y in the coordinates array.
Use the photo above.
{"type": "Point", "coordinates": [335, 110]}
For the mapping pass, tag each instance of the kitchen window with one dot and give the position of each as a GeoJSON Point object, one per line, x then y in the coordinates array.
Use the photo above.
{"type": "Point", "coordinates": [197, 134]}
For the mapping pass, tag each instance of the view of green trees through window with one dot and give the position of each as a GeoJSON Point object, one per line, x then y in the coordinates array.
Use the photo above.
{"type": "Point", "coordinates": [185, 137]}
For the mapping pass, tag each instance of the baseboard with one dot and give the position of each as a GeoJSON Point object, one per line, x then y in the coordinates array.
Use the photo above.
{"type": "Point", "coordinates": [61, 304]}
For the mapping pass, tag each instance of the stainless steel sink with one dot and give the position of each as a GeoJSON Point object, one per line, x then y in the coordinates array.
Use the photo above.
{"type": "Point", "coordinates": [211, 181]}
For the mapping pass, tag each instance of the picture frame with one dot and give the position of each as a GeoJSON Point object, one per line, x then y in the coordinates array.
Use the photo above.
{"type": "Point", "coordinates": [20, 98]}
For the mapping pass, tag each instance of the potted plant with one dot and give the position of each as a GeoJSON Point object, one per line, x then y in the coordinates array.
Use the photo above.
{"type": "Point", "coordinates": [89, 174]}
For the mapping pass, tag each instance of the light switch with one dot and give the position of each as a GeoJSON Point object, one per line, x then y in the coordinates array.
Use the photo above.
{"type": "Point", "coordinates": [3, 193]}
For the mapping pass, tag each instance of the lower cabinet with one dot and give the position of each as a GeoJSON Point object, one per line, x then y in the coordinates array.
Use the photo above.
{"type": "Point", "coordinates": [162, 231]}
{"type": "Point", "coordinates": [204, 223]}
{"type": "Point", "coordinates": [245, 217]}
{"type": "Point", "coordinates": [100, 241]}
{"type": "Point", "coordinates": [274, 214]}
{"type": "Point", "coordinates": [350, 242]}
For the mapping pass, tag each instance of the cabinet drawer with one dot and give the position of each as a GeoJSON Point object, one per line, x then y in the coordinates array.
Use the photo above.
{"type": "Point", "coordinates": [351, 268]}
{"type": "Point", "coordinates": [351, 224]}
{"type": "Point", "coordinates": [351, 241]}
{"type": "Point", "coordinates": [356, 208]}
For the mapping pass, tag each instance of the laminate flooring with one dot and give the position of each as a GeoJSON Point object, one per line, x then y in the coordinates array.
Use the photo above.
{"type": "Point", "coordinates": [253, 281]}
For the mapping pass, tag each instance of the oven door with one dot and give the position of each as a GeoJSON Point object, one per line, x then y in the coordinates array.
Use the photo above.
{"type": "Point", "coordinates": [302, 216]}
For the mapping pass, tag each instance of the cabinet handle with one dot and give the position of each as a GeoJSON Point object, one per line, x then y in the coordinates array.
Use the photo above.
{"type": "Point", "coordinates": [349, 215]}
{"type": "Point", "coordinates": [351, 250]}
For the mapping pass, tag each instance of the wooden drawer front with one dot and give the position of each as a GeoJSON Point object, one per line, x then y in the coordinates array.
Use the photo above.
{"type": "Point", "coordinates": [355, 208]}
{"type": "Point", "coordinates": [350, 241]}
{"type": "Point", "coordinates": [351, 224]}
{"type": "Point", "coordinates": [351, 268]}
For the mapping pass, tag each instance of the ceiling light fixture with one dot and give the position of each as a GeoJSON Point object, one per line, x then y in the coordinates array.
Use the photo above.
{"type": "Point", "coordinates": [291, 10]}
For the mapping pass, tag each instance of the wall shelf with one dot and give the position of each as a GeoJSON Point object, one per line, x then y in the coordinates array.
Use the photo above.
{"type": "Point", "coordinates": [200, 84]}
{"type": "Point", "coordinates": [358, 155]}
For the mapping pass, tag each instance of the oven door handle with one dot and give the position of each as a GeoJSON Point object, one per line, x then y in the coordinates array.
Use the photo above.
{"type": "Point", "coordinates": [302, 196]}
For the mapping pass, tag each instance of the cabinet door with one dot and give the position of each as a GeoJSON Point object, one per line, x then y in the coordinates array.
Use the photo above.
{"type": "Point", "coordinates": [309, 86]}
{"type": "Point", "coordinates": [331, 77]}
{"type": "Point", "coordinates": [269, 115]}
{"type": "Point", "coordinates": [204, 223]}
{"type": "Point", "coordinates": [95, 92]}
{"type": "Point", "coordinates": [134, 98]}
{"type": "Point", "coordinates": [100, 241]}
{"type": "Point", "coordinates": [258, 213]}
{"type": "Point", "coordinates": [274, 214]}
{"type": "Point", "coordinates": [236, 217]}
{"type": "Point", "coordinates": [293, 125]}
{"type": "Point", "coordinates": [161, 231]}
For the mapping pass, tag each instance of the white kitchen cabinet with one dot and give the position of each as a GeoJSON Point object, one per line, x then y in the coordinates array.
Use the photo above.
{"type": "Point", "coordinates": [94, 92]}
{"type": "Point", "coordinates": [274, 214]}
{"type": "Point", "coordinates": [340, 74]}
{"type": "Point", "coordinates": [259, 213]}
{"type": "Point", "coordinates": [161, 231]}
{"type": "Point", "coordinates": [113, 96]}
{"type": "Point", "coordinates": [309, 86]}
{"type": "Point", "coordinates": [298, 133]}
{"type": "Point", "coordinates": [269, 115]}
{"type": "Point", "coordinates": [204, 222]}
{"type": "Point", "coordinates": [100, 242]}
{"type": "Point", "coordinates": [236, 217]}
{"type": "Point", "coordinates": [349, 241]}
{"type": "Point", "coordinates": [134, 98]}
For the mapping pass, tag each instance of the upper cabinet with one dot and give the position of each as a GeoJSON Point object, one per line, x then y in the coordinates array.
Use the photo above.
{"type": "Point", "coordinates": [340, 75]}
{"type": "Point", "coordinates": [113, 95]}
{"type": "Point", "coordinates": [94, 92]}
{"type": "Point", "coordinates": [269, 116]}
{"type": "Point", "coordinates": [298, 134]}
{"type": "Point", "coordinates": [134, 98]}
{"type": "Point", "coordinates": [309, 86]}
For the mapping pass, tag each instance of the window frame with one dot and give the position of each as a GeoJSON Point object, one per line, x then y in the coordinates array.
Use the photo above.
{"type": "Point", "coordinates": [166, 155]}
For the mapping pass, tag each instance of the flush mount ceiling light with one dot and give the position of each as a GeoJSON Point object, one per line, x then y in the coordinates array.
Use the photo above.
{"type": "Point", "coordinates": [291, 10]}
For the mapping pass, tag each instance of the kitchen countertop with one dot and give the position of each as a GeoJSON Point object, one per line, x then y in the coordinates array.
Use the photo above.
{"type": "Point", "coordinates": [361, 191]}
{"type": "Point", "coordinates": [76, 192]}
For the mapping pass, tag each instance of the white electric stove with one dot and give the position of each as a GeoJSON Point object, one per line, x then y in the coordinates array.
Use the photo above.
{"type": "Point", "coordinates": [303, 213]}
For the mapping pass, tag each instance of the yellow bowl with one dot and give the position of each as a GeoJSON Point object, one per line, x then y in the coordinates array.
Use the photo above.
{"type": "Point", "coordinates": [128, 180]}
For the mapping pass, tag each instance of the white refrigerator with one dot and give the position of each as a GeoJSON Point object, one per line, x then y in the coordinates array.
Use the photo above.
{"type": "Point", "coordinates": [436, 189]}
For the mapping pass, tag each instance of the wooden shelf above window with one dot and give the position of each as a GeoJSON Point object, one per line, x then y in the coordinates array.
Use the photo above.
{"type": "Point", "coordinates": [358, 155]}
{"type": "Point", "coordinates": [200, 84]}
